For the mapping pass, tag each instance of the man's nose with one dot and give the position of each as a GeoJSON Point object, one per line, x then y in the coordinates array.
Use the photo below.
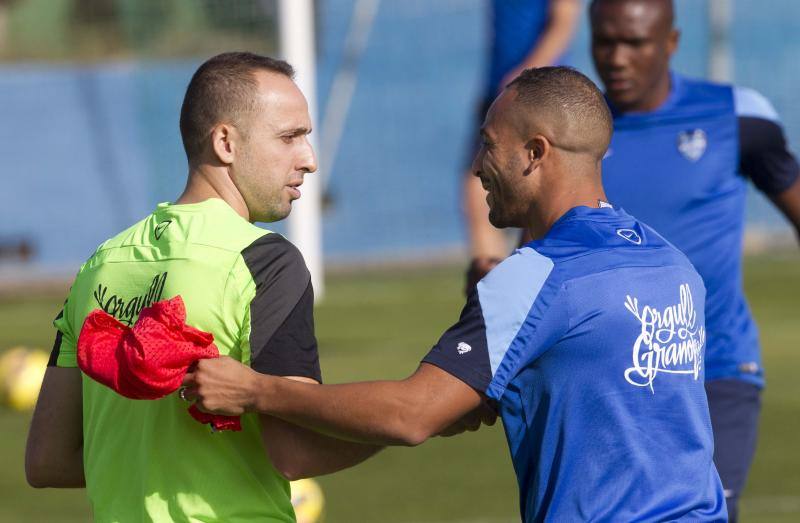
{"type": "Point", "coordinates": [618, 56]}
{"type": "Point", "coordinates": [476, 163]}
{"type": "Point", "coordinates": [308, 162]}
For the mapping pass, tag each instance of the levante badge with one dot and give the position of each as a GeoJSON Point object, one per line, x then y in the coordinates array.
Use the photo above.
{"type": "Point", "coordinates": [692, 144]}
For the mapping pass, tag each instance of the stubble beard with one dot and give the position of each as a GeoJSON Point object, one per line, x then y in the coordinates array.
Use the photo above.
{"type": "Point", "coordinates": [264, 202]}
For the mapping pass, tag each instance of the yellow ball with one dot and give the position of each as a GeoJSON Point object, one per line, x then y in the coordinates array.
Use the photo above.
{"type": "Point", "coordinates": [21, 374]}
{"type": "Point", "coordinates": [307, 500]}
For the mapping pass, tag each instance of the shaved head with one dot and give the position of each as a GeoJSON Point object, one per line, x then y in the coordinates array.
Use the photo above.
{"type": "Point", "coordinates": [661, 10]}
{"type": "Point", "coordinates": [632, 44]}
{"type": "Point", "coordinates": [565, 106]}
{"type": "Point", "coordinates": [543, 140]}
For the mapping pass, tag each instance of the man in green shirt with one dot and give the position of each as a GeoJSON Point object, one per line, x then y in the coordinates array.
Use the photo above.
{"type": "Point", "coordinates": [244, 125]}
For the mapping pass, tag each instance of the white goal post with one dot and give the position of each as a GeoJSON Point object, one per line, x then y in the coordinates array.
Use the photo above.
{"type": "Point", "coordinates": [297, 45]}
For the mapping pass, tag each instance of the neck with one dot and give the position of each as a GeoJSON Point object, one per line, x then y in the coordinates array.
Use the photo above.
{"type": "Point", "coordinates": [560, 201]}
{"type": "Point", "coordinates": [660, 93]}
{"type": "Point", "coordinates": [655, 98]}
{"type": "Point", "coordinates": [207, 181]}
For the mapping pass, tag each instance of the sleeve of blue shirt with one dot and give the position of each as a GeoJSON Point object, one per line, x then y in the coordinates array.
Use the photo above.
{"type": "Point", "coordinates": [516, 313]}
{"type": "Point", "coordinates": [763, 153]}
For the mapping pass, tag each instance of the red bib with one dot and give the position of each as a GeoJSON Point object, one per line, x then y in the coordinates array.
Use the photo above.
{"type": "Point", "coordinates": [149, 360]}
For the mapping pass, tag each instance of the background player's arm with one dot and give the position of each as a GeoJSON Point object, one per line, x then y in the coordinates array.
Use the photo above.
{"type": "Point", "coordinates": [487, 244]}
{"type": "Point", "coordinates": [764, 155]}
{"type": "Point", "coordinates": [555, 39]}
{"type": "Point", "coordinates": [54, 453]}
{"type": "Point", "coordinates": [788, 202]}
{"type": "Point", "coordinates": [406, 412]}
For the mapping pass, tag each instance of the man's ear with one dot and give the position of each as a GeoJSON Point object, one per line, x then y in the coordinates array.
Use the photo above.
{"type": "Point", "coordinates": [672, 42]}
{"type": "Point", "coordinates": [224, 138]}
{"type": "Point", "coordinates": [537, 148]}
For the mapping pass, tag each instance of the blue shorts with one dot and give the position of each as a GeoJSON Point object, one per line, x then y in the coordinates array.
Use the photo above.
{"type": "Point", "coordinates": [734, 406]}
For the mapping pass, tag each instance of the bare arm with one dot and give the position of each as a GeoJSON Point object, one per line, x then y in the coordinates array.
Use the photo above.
{"type": "Point", "coordinates": [297, 452]}
{"type": "Point", "coordinates": [556, 37]}
{"type": "Point", "coordinates": [487, 243]}
{"type": "Point", "coordinates": [406, 412]}
{"type": "Point", "coordinates": [764, 155]}
{"type": "Point", "coordinates": [788, 202]}
{"type": "Point", "coordinates": [54, 453]}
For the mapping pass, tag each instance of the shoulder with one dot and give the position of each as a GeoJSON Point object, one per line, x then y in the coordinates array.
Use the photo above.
{"type": "Point", "coordinates": [704, 95]}
{"type": "Point", "coordinates": [524, 265]}
{"type": "Point", "coordinates": [124, 237]}
{"type": "Point", "coordinates": [750, 103]}
{"type": "Point", "coordinates": [272, 256]}
{"type": "Point", "coordinates": [517, 282]}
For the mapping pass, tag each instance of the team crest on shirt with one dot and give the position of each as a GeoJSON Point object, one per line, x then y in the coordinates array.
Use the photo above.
{"type": "Point", "coordinates": [670, 341]}
{"type": "Point", "coordinates": [692, 144]}
{"type": "Point", "coordinates": [463, 348]}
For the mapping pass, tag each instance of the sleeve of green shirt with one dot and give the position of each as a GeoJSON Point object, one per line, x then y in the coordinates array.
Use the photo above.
{"type": "Point", "coordinates": [64, 353]}
{"type": "Point", "coordinates": [281, 315]}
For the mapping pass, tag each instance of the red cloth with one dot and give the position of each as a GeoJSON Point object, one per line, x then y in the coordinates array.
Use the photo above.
{"type": "Point", "coordinates": [149, 360]}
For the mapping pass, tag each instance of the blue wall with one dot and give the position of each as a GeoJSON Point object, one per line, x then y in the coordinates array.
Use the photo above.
{"type": "Point", "coordinates": [89, 150]}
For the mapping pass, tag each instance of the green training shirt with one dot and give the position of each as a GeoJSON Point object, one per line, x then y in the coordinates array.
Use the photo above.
{"type": "Point", "coordinates": [150, 460]}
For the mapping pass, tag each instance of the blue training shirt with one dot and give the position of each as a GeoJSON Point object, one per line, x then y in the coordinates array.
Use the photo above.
{"type": "Point", "coordinates": [681, 169]}
{"type": "Point", "coordinates": [516, 27]}
{"type": "Point", "coordinates": [591, 342]}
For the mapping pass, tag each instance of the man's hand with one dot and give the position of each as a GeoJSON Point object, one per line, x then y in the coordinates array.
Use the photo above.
{"type": "Point", "coordinates": [483, 415]}
{"type": "Point", "coordinates": [478, 268]}
{"type": "Point", "coordinates": [221, 386]}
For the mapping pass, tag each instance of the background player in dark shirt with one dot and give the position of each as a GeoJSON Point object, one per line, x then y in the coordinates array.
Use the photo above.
{"type": "Point", "coordinates": [679, 160]}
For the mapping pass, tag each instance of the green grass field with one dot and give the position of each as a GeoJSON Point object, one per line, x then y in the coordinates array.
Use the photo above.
{"type": "Point", "coordinates": [378, 325]}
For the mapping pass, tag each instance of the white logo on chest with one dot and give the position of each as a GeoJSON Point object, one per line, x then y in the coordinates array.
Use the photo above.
{"type": "Point", "coordinates": [692, 144]}
{"type": "Point", "coordinates": [463, 348]}
{"type": "Point", "coordinates": [630, 235]}
{"type": "Point", "coordinates": [670, 341]}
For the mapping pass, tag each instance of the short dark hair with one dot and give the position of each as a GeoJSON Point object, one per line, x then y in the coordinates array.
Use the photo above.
{"type": "Point", "coordinates": [666, 5]}
{"type": "Point", "coordinates": [222, 89]}
{"type": "Point", "coordinates": [573, 99]}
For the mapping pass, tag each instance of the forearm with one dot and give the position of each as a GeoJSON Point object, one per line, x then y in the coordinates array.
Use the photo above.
{"type": "Point", "coordinates": [378, 413]}
{"type": "Point", "coordinates": [403, 412]}
{"type": "Point", "coordinates": [64, 472]}
{"type": "Point", "coordinates": [556, 37]}
{"type": "Point", "coordinates": [788, 202]}
{"type": "Point", "coordinates": [54, 451]}
{"type": "Point", "coordinates": [298, 452]}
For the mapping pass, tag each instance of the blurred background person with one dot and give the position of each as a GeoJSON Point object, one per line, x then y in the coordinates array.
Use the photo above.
{"type": "Point", "coordinates": [680, 159]}
{"type": "Point", "coordinates": [524, 34]}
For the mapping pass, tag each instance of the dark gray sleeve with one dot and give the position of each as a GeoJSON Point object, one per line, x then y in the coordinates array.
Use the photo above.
{"type": "Point", "coordinates": [463, 350]}
{"type": "Point", "coordinates": [53, 361]}
{"type": "Point", "coordinates": [282, 340]}
{"type": "Point", "coordinates": [764, 156]}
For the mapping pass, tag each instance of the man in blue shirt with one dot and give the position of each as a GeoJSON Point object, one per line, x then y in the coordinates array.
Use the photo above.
{"type": "Point", "coordinates": [679, 160]}
{"type": "Point", "coordinates": [588, 341]}
{"type": "Point", "coordinates": [523, 34]}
